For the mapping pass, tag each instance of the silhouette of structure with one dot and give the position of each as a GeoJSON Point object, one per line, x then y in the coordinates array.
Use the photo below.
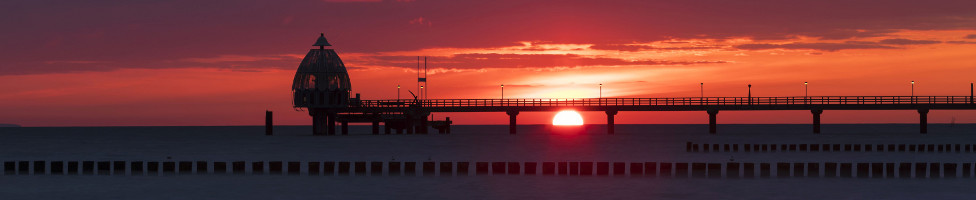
{"type": "Point", "coordinates": [322, 86]}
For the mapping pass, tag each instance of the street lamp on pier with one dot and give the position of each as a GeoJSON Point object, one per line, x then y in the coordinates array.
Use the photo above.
{"type": "Point", "coordinates": [806, 94]}
{"type": "Point", "coordinates": [913, 88]}
{"type": "Point", "coordinates": [601, 90]}
{"type": "Point", "coordinates": [750, 94]}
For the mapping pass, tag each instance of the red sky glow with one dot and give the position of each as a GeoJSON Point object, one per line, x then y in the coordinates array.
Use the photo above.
{"type": "Point", "coordinates": [181, 62]}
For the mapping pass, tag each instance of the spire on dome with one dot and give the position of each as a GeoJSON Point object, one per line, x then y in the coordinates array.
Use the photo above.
{"type": "Point", "coordinates": [321, 42]}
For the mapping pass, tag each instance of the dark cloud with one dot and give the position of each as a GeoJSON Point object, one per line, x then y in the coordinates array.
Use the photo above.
{"type": "Point", "coordinates": [479, 61]}
{"type": "Point", "coordinates": [960, 42]}
{"type": "Point", "coordinates": [144, 32]}
{"type": "Point", "coordinates": [635, 48]}
{"type": "Point", "coordinates": [841, 34]}
{"type": "Point", "coordinates": [901, 41]}
{"type": "Point", "coordinates": [971, 36]}
{"type": "Point", "coordinates": [813, 46]}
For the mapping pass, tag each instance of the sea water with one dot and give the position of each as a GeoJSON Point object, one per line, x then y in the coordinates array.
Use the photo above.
{"type": "Point", "coordinates": [473, 143]}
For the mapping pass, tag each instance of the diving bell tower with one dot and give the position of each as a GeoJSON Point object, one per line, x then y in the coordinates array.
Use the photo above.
{"type": "Point", "coordinates": [321, 86]}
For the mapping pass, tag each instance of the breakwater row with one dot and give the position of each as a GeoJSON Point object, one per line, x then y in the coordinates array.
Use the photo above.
{"type": "Point", "coordinates": [915, 148]}
{"type": "Point", "coordinates": [728, 170]}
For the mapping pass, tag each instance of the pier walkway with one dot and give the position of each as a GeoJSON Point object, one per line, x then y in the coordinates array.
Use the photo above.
{"type": "Point", "coordinates": [422, 108]}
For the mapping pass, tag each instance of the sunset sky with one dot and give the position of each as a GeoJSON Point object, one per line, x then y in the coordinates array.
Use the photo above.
{"type": "Point", "coordinates": [183, 62]}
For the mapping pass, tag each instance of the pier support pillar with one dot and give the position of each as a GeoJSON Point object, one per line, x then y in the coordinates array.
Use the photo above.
{"type": "Point", "coordinates": [816, 119]}
{"type": "Point", "coordinates": [423, 123]}
{"type": "Point", "coordinates": [268, 123]}
{"type": "Point", "coordinates": [711, 120]}
{"type": "Point", "coordinates": [409, 125]}
{"type": "Point", "coordinates": [376, 127]}
{"type": "Point", "coordinates": [610, 114]}
{"type": "Point", "coordinates": [511, 121]}
{"type": "Point", "coordinates": [448, 126]}
{"type": "Point", "coordinates": [923, 120]}
{"type": "Point", "coordinates": [330, 124]}
{"type": "Point", "coordinates": [344, 128]}
{"type": "Point", "coordinates": [320, 120]}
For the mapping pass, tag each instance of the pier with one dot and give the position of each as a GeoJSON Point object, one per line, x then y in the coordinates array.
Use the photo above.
{"type": "Point", "coordinates": [322, 86]}
{"type": "Point", "coordinates": [419, 110]}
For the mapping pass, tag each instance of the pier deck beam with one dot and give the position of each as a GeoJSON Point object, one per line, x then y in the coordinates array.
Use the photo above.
{"type": "Point", "coordinates": [712, 121]}
{"type": "Point", "coordinates": [511, 120]}
{"type": "Point", "coordinates": [923, 120]}
{"type": "Point", "coordinates": [610, 114]}
{"type": "Point", "coordinates": [816, 119]}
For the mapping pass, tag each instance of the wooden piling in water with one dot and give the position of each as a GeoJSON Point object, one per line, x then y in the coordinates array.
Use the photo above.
{"type": "Point", "coordinates": [514, 168]}
{"type": "Point", "coordinates": [463, 168]}
{"type": "Point", "coordinates": [294, 168]}
{"type": "Point", "coordinates": [238, 167]}
{"type": "Point", "coordinates": [714, 170]}
{"type": "Point", "coordinates": [497, 168]}
{"type": "Point", "coordinates": [481, 168]}
{"type": "Point", "coordinates": [446, 169]}
{"type": "Point", "coordinates": [666, 169]}
{"type": "Point", "coordinates": [681, 170]}
{"type": "Point", "coordinates": [360, 168]}
{"type": "Point", "coordinates": [376, 168]}
{"type": "Point", "coordinates": [637, 169]}
{"type": "Point", "coordinates": [257, 168]}
{"type": "Point", "coordinates": [530, 168]}
{"type": "Point", "coordinates": [549, 168]}
{"type": "Point", "coordinates": [152, 168]}
{"type": "Point", "coordinates": [410, 168]}
{"type": "Point", "coordinates": [602, 168]}
{"type": "Point", "coordinates": [698, 170]}
{"type": "Point", "coordinates": [393, 168]}
{"type": "Point", "coordinates": [220, 167]}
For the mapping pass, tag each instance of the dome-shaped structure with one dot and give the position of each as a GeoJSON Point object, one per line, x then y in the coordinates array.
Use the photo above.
{"type": "Point", "coordinates": [321, 80]}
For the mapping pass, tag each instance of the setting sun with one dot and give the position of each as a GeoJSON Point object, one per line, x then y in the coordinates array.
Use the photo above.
{"type": "Point", "coordinates": [567, 118]}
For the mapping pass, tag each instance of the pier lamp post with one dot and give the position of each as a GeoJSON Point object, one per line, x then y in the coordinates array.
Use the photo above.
{"type": "Point", "coordinates": [701, 89]}
{"type": "Point", "coordinates": [503, 91]}
{"type": "Point", "coordinates": [913, 92]}
{"type": "Point", "coordinates": [398, 92]}
{"type": "Point", "coordinates": [750, 94]}
{"type": "Point", "coordinates": [601, 90]}
{"type": "Point", "coordinates": [805, 92]}
{"type": "Point", "coordinates": [421, 92]}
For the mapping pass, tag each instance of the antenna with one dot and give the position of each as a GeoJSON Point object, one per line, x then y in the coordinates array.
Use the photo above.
{"type": "Point", "coordinates": [426, 92]}
{"type": "Point", "coordinates": [422, 78]}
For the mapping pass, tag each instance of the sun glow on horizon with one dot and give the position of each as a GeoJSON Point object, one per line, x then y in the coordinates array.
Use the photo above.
{"type": "Point", "coordinates": [567, 118]}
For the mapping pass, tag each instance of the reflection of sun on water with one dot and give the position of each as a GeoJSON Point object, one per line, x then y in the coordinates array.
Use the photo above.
{"type": "Point", "coordinates": [567, 118]}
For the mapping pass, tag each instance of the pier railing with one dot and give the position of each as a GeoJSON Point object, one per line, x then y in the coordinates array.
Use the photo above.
{"type": "Point", "coordinates": [685, 101]}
